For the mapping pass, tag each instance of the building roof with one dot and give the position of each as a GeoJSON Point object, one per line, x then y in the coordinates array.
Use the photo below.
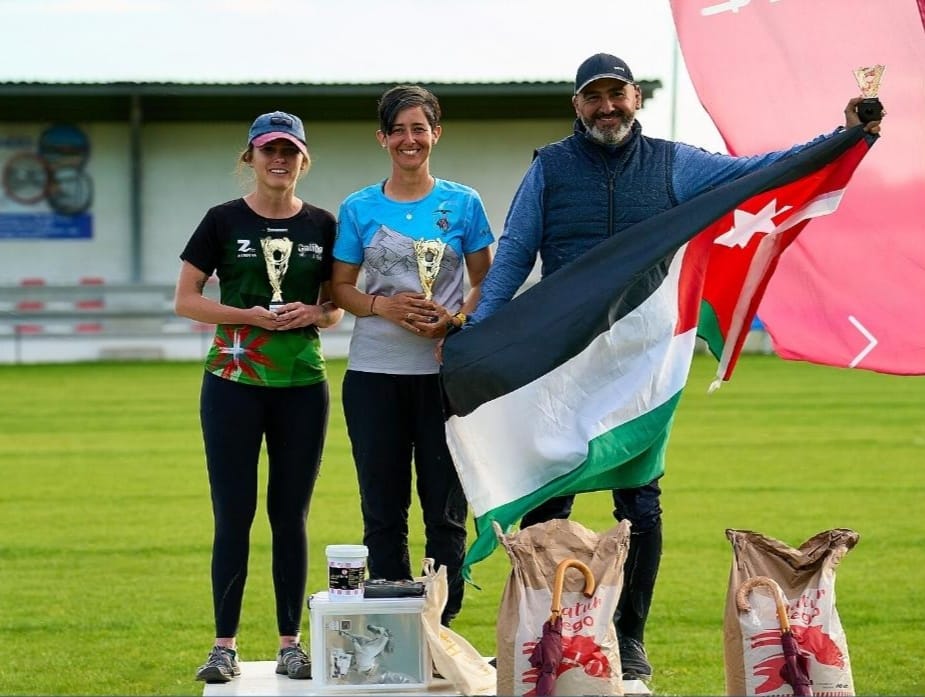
{"type": "Point", "coordinates": [233, 101]}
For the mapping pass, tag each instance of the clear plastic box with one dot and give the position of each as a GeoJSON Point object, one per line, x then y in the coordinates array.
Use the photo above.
{"type": "Point", "coordinates": [368, 645]}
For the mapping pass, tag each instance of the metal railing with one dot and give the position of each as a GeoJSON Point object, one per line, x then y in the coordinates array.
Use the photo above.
{"type": "Point", "coordinates": [74, 322]}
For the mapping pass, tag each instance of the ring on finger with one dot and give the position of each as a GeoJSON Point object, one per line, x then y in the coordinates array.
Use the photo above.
{"type": "Point", "coordinates": [408, 317]}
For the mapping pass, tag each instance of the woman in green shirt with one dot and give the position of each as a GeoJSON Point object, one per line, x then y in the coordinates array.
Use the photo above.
{"type": "Point", "coordinates": [265, 377]}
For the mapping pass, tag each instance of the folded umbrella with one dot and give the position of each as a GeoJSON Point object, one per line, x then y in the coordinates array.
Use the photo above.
{"type": "Point", "coordinates": [547, 654]}
{"type": "Point", "coordinates": [795, 670]}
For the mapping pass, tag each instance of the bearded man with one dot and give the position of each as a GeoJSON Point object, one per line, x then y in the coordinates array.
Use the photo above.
{"type": "Point", "coordinates": [578, 192]}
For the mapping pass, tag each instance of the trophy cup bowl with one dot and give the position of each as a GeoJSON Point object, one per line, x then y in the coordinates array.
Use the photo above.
{"type": "Point", "coordinates": [868, 79]}
{"type": "Point", "coordinates": [429, 254]}
{"type": "Point", "coordinates": [276, 253]}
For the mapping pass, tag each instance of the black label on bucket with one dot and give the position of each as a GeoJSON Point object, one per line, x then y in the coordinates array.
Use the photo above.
{"type": "Point", "coordinates": [343, 578]}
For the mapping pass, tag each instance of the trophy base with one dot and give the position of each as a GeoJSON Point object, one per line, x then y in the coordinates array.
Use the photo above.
{"type": "Point", "coordinates": [870, 109]}
{"type": "Point", "coordinates": [275, 307]}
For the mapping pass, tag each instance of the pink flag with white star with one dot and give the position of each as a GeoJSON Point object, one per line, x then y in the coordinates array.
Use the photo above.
{"type": "Point", "coordinates": [772, 73]}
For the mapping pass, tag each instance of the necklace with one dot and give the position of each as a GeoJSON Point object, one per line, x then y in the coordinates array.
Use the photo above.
{"type": "Point", "coordinates": [413, 204]}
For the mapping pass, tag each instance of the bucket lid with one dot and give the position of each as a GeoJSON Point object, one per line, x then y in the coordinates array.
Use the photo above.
{"type": "Point", "coordinates": [351, 551]}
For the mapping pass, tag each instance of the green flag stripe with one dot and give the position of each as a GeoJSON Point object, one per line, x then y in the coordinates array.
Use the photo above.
{"type": "Point", "coordinates": [708, 329]}
{"type": "Point", "coordinates": [630, 455]}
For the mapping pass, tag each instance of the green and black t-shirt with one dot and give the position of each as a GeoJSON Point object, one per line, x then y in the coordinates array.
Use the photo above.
{"type": "Point", "coordinates": [227, 243]}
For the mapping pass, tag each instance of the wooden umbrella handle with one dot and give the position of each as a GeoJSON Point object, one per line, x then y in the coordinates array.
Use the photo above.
{"type": "Point", "coordinates": [560, 581]}
{"type": "Point", "coordinates": [750, 584]}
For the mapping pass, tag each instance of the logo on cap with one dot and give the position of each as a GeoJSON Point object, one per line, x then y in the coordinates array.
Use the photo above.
{"type": "Point", "coordinates": [599, 66]}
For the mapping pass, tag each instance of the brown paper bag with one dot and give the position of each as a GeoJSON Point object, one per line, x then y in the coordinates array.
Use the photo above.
{"type": "Point", "coordinates": [591, 656]}
{"type": "Point", "coordinates": [806, 576]}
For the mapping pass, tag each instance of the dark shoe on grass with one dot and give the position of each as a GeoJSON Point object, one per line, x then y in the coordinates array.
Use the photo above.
{"type": "Point", "coordinates": [634, 660]}
{"type": "Point", "coordinates": [221, 666]}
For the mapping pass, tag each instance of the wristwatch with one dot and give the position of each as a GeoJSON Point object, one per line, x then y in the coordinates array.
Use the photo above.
{"type": "Point", "coordinates": [459, 319]}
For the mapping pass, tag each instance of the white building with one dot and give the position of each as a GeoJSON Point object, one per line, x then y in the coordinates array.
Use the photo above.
{"type": "Point", "coordinates": [105, 182]}
{"type": "Point", "coordinates": [159, 154]}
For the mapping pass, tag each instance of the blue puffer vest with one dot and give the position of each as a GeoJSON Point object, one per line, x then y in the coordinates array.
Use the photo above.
{"type": "Point", "coordinates": [593, 191]}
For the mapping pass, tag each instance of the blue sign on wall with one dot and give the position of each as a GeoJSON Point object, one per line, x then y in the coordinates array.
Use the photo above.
{"type": "Point", "coordinates": [46, 226]}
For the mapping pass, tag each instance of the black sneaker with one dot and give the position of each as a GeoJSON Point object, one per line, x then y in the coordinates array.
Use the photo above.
{"type": "Point", "coordinates": [293, 661]}
{"type": "Point", "coordinates": [221, 666]}
{"type": "Point", "coordinates": [634, 661]}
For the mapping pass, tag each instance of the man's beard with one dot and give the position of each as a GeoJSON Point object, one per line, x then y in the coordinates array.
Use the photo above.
{"type": "Point", "coordinates": [610, 136]}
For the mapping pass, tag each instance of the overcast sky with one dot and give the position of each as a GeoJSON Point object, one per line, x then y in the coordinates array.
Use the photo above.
{"type": "Point", "coordinates": [348, 41]}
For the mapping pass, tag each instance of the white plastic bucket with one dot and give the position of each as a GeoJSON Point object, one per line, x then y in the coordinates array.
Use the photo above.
{"type": "Point", "coordinates": [346, 571]}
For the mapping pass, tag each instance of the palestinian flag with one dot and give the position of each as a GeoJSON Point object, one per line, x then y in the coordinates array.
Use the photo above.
{"type": "Point", "coordinates": [573, 385]}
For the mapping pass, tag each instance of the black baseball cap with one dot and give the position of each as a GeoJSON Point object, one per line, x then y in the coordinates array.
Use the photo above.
{"type": "Point", "coordinates": [602, 65]}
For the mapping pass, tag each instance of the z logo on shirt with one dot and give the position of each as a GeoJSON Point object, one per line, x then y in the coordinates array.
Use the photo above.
{"type": "Point", "coordinates": [245, 251]}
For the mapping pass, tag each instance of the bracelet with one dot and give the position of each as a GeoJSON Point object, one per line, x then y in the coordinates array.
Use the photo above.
{"type": "Point", "coordinates": [372, 304]}
{"type": "Point", "coordinates": [460, 317]}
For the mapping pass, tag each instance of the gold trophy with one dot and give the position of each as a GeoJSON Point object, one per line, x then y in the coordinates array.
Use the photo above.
{"type": "Point", "coordinates": [429, 254]}
{"type": "Point", "coordinates": [276, 253]}
{"type": "Point", "coordinates": [868, 79]}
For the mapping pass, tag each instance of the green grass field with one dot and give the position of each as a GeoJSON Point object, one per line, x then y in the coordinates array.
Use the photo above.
{"type": "Point", "coordinates": [105, 525]}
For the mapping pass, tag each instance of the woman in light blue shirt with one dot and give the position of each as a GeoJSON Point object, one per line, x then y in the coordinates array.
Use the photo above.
{"type": "Point", "coordinates": [416, 238]}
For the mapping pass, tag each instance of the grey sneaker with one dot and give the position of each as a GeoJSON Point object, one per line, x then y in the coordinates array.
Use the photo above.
{"type": "Point", "coordinates": [221, 666]}
{"type": "Point", "coordinates": [293, 661]}
{"type": "Point", "coordinates": [634, 660]}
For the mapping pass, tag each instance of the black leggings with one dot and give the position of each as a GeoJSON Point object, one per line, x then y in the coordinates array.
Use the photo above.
{"type": "Point", "coordinates": [642, 507]}
{"type": "Point", "coordinates": [235, 418]}
{"type": "Point", "coordinates": [392, 420]}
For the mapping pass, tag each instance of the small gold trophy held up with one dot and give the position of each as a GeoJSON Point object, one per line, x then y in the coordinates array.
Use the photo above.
{"type": "Point", "coordinates": [276, 253]}
{"type": "Point", "coordinates": [429, 254]}
{"type": "Point", "coordinates": [868, 79]}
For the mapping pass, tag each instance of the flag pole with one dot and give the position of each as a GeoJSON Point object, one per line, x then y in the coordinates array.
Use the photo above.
{"type": "Point", "coordinates": [675, 60]}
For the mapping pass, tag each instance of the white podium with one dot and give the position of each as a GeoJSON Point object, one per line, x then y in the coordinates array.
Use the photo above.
{"type": "Point", "coordinates": [260, 678]}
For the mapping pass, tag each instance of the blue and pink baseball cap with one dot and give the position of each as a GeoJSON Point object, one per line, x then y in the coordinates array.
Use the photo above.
{"type": "Point", "coordinates": [276, 125]}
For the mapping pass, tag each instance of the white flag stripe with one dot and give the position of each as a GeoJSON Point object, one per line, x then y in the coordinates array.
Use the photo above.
{"type": "Point", "coordinates": [558, 414]}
